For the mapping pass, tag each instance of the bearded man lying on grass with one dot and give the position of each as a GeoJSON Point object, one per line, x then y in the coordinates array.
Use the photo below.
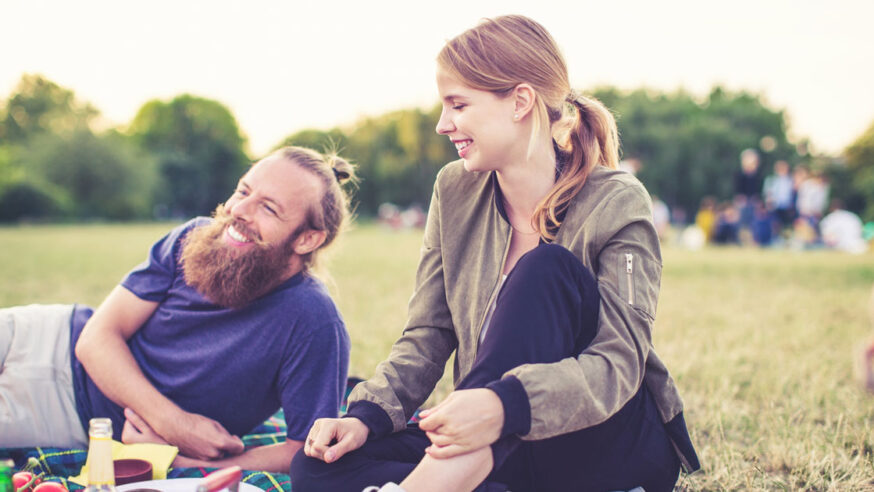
{"type": "Point", "coordinates": [222, 325]}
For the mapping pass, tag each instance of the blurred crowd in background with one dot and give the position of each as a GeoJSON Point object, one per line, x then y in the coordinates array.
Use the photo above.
{"type": "Point", "coordinates": [789, 208]}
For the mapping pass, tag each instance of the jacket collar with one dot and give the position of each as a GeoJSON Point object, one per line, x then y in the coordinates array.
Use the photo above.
{"type": "Point", "coordinates": [561, 157]}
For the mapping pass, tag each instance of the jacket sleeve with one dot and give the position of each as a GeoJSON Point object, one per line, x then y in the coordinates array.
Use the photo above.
{"type": "Point", "coordinates": [577, 393]}
{"type": "Point", "coordinates": [404, 381]}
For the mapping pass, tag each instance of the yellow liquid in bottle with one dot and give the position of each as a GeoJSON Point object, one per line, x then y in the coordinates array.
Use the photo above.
{"type": "Point", "coordinates": [101, 475]}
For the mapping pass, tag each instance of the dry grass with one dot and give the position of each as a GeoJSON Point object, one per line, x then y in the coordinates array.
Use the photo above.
{"type": "Point", "coordinates": [760, 342]}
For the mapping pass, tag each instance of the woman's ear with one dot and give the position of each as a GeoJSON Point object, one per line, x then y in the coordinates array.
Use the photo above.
{"type": "Point", "coordinates": [523, 101]}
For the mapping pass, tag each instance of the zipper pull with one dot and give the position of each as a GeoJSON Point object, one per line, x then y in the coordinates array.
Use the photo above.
{"type": "Point", "coordinates": [628, 262]}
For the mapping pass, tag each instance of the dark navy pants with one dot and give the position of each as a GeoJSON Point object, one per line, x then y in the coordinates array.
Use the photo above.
{"type": "Point", "coordinates": [546, 311]}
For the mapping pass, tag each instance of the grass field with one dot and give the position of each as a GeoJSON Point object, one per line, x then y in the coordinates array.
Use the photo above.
{"type": "Point", "coordinates": [760, 342]}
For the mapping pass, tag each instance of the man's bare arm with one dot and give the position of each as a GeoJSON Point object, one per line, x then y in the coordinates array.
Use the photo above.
{"type": "Point", "coordinates": [102, 348]}
{"type": "Point", "coordinates": [273, 458]}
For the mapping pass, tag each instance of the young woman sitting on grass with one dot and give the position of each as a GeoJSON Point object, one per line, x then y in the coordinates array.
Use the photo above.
{"type": "Point", "coordinates": [540, 268]}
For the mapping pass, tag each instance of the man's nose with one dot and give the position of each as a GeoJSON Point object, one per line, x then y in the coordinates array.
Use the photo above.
{"type": "Point", "coordinates": [242, 209]}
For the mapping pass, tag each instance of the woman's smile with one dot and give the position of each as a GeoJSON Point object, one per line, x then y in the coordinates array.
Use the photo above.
{"type": "Point", "coordinates": [462, 146]}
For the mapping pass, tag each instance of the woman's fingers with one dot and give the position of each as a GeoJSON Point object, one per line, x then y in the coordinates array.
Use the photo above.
{"type": "Point", "coordinates": [444, 452]}
{"type": "Point", "coordinates": [440, 439]}
{"type": "Point", "coordinates": [322, 439]}
{"type": "Point", "coordinates": [349, 442]}
{"type": "Point", "coordinates": [433, 420]}
{"type": "Point", "coordinates": [329, 439]}
{"type": "Point", "coordinates": [309, 444]}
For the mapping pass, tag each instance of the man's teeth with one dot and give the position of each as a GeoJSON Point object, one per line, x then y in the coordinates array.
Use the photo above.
{"type": "Point", "coordinates": [462, 144]}
{"type": "Point", "coordinates": [237, 236]}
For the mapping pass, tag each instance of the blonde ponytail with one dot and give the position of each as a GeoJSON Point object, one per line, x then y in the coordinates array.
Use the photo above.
{"type": "Point", "coordinates": [590, 136]}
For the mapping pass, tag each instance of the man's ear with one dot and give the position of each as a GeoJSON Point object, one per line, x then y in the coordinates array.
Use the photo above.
{"type": "Point", "coordinates": [309, 241]}
{"type": "Point", "coordinates": [524, 97]}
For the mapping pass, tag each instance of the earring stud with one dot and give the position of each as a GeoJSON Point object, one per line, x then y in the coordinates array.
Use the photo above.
{"type": "Point", "coordinates": [515, 116]}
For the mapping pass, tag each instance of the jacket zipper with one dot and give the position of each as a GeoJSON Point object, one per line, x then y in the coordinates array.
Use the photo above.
{"type": "Point", "coordinates": [629, 270]}
{"type": "Point", "coordinates": [492, 297]}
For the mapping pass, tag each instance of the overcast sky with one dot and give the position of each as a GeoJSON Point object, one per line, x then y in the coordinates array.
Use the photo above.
{"type": "Point", "coordinates": [282, 66]}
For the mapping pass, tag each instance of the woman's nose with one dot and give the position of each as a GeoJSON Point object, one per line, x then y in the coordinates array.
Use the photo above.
{"type": "Point", "coordinates": [444, 124]}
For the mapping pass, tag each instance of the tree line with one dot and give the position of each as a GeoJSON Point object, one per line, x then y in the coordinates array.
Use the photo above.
{"type": "Point", "coordinates": [179, 158]}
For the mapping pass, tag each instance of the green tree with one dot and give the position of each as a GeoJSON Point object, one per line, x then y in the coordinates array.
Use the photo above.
{"type": "Point", "coordinates": [398, 155]}
{"type": "Point", "coordinates": [690, 148]}
{"type": "Point", "coordinates": [859, 163]}
{"type": "Point", "coordinates": [91, 176]}
{"type": "Point", "coordinates": [22, 200]}
{"type": "Point", "coordinates": [52, 165]}
{"type": "Point", "coordinates": [318, 140]}
{"type": "Point", "coordinates": [199, 150]}
{"type": "Point", "coordinates": [37, 106]}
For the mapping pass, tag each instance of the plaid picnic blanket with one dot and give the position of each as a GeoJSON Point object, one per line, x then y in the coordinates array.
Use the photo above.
{"type": "Point", "coordinates": [59, 463]}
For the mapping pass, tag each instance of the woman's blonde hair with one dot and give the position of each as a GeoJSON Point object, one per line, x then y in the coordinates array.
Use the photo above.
{"type": "Point", "coordinates": [499, 54]}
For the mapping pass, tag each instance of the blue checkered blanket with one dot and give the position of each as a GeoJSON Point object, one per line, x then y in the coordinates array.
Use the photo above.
{"type": "Point", "coordinates": [58, 463]}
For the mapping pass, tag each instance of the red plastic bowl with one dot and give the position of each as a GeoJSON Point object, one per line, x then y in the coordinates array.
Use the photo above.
{"type": "Point", "coordinates": [131, 470]}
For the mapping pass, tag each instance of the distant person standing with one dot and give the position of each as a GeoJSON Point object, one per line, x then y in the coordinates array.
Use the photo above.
{"type": "Point", "coordinates": [812, 197]}
{"type": "Point", "coordinates": [661, 217]}
{"type": "Point", "coordinates": [799, 175]}
{"type": "Point", "coordinates": [747, 185]}
{"type": "Point", "coordinates": [811, 202]}
{"type": "Point", "coordinates": [778, 191]}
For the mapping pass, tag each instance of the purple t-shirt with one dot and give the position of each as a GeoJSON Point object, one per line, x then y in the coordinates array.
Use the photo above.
{"type": "Point", "coordinates": [288, 348]}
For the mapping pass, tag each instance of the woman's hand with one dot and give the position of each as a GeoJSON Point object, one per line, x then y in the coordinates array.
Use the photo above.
{"type": "Point", "coordinates": [347, 434]}
{"type": "Point", "coordinates": [465, 421]}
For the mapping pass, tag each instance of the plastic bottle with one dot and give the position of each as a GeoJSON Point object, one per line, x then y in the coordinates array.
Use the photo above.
{"type": "Point", "coordinates": [101, 476]}
{"type": "Point", "coordinates": [6, 476]}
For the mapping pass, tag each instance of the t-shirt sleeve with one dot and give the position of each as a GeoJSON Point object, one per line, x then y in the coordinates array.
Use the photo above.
{"type": "Point", "coordinates": [313, 378]}
{"type": "Point", "coordinates": [151, 279]}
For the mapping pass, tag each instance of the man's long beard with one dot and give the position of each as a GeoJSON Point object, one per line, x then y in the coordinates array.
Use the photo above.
{"type": "Point", "coordinates": [227, 276]}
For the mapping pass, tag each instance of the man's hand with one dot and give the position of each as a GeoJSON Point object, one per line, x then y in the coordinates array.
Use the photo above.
{"type": "Point", "coordinates": [136, 430]}
{"type": "Point", "coordinates": [200, 437]}
{"type": "Point", "coordinates": [346, 434]}
{"type": "Point", "coordinates": [465, 421]}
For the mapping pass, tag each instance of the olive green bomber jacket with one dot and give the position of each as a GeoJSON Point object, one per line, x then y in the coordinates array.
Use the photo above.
{"type": "Point", "coordinates": [608, 226]}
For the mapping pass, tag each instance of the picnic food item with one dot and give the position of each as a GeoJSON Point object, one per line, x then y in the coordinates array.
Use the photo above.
{"type": "Point", "coordinates": [24, 480]}
{"type": "Point", "coordinates": [50, 487]}
{"type": "Point", "coordinates": [101, 477]}
{"type": "Point", "coordinates": [226, 477]}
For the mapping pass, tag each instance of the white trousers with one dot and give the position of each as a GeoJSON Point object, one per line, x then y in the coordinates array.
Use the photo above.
{"type": "Point", "coordinates": [37, 404]}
